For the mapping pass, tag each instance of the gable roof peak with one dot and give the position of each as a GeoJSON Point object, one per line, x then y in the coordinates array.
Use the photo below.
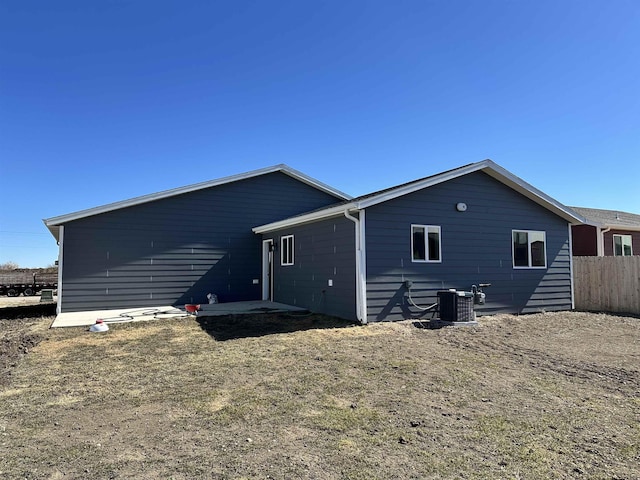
{"type": "Point", "coordinates": [486, 166]}
{"type": "Point", "coordinates": [54, 223]}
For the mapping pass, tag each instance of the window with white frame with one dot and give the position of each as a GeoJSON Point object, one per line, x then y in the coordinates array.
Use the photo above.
{"type": "Point", "coordinates": [426, 245]}
{"type": "Point", "coordinates": [622, 246]}
{"type": "Point", "coordinates": [286, 250]}
{"type": "Point", "coordinates": [529, 249]}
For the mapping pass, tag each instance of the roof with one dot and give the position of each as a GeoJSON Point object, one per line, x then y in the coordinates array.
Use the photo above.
{"type": "Point", "coordinates": [609, 218]}
{"type": "Point", "coordinates": [487, 166]}
{"type": "Point", "coordinates": [54, 223]}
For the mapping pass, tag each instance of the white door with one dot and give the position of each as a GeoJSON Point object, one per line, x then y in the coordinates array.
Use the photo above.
{"type": "Point", "coordinates": [267, 270]}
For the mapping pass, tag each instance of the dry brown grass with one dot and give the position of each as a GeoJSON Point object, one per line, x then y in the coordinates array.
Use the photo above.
{"type": "Point", "coordinates": [540, 396]}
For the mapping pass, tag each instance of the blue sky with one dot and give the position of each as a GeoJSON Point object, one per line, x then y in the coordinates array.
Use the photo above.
{"type": "Point", "coordinates": [104, 101]}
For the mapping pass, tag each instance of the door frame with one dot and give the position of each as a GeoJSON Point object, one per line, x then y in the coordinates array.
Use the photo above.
{"type": "Point", "coordinates": [267, 269]}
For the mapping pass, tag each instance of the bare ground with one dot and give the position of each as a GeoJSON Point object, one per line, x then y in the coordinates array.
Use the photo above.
{"type": "Point", "coordinates": [267, 397]}
{"type": "Point", "coordinates": [21, 300]}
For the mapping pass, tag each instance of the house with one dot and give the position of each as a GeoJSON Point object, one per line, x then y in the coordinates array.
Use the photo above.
{"type": "Point", "coordinates": [384, 256]}
{"type": "Point", "coordinates": [277, 234]}
{"type": "Point", "coordinates": [175, 247]}
{"type": "Point", "coordinates": [606, 233]}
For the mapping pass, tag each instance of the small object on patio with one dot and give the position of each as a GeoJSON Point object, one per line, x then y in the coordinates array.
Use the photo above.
{"type": "Point", "coordinates": [192, 308]}
{"type": "Point", "coordinates": [212, 297]}
{"type": "Point", "coordinates": [99, 326]}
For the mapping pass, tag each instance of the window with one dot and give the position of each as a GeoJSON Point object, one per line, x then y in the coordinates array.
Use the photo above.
{"type": "Point", "coordinates": [425, 243]}
{"type": "Point", "coordinates": [286, 250]}
{"type": "Point", "coordinates": [529, 249]}
{"type": "Point", "coordinates": [622, 246]}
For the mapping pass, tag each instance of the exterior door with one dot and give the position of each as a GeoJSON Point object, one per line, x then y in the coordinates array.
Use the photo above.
{"type": "Point", "coordinates": [267, 270]}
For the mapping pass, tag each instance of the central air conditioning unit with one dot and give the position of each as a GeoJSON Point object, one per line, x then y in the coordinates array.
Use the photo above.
{"type": "Point", "coordinates": [456, 306]}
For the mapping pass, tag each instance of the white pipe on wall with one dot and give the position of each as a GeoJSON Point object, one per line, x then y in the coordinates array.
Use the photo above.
{"type": "Point", "coordinates": [600, 240]}
{"type": "Point", "coordinates": [361, 311]}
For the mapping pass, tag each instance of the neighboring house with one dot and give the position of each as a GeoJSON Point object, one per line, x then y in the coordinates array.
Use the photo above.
{"type": "Point", "coordinates": [177, 246]}
{"type": "Point", "coordinates": [475, 224]}
{"type": "Point", "coordinates": [606, 233]}
{"type": "Point", "coordinates": [277, 234]}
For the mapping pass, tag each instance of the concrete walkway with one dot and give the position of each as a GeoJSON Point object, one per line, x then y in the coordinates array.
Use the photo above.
{"type": "Point", "coordinates": [87, 318]}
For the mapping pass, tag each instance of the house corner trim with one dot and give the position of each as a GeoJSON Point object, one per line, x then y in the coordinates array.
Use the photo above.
{"type": "Point", "coordinates": [60, 267]}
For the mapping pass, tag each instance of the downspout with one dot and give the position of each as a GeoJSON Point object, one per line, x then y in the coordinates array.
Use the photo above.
{"type": "Point", "coordinates": [361, 309]}
{"type": "Point", "coordinates": [600, 240]}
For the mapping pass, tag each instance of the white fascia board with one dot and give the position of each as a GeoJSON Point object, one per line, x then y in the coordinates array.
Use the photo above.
{"type": "Point", "coordinates": [611, 226]}
{"type": "Point", "coordinates": [54, 221]}
{"type": "Point", "coordinates": [54, 229]}
{"type": "Point", "coordinates": [532, 193]}
{"type": "Point", "coordinates": [492, 169]}
{"type": "Point", "coordinates": [292, 172]}
{"type": "Point", "coordinates": [306, 218]}
{"type": "Point", "coordinates": [367, 202]}
{"type": "Point", "coordinates": [621, 228]}
{"type": "Point", "coordinates": [487, 166]}
{"type": "Point", "coordinates": [414, 187]}
{"type": "Point", "coordinates": [593, 224]}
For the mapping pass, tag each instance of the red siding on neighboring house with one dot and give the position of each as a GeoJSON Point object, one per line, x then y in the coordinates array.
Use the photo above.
{"type": "Point", "coordinates": [608, 241]}
{"type": "Point", "coordinates": [584, 240]}
{"type": "Point", "coordinates": [587, 238]}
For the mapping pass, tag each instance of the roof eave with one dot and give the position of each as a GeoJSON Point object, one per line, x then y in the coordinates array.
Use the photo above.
{"type": "Point", "coordinates": [53, 229]}
{"type": "Point", "coordinates": [487, 166]}
{"type": "Point", "coordinates": [629, 228]}
{"type": "Point", "coordinates": [604, 223]}
{"type": "Point", "coordinates": [495, 171]}
{"type": "Point", "coordinates": [59, 220]}
{"type": "Point", "coordinates": [306, 218]}
{"type": "Point", "coordinates": [532, 193]}
{"type": "Point", "coordinates": [298, 175]}
{"type": "Point", "coordinates": [427, 182]}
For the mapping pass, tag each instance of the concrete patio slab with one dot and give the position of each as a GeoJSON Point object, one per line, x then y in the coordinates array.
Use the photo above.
{"type": "Point", "coordinates": [87, 318]}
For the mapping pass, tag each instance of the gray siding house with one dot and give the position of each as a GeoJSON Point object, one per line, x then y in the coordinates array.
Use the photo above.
{"type": "Point", "coordinates": [474, 224]}
{"type": "Point", "coordinates": [277, 234]}
{"type": "Point", "coordinates": [175, 247]}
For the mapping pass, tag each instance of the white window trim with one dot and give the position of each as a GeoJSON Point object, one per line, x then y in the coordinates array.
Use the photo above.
{"type": "Point", "coordinates": [622, 235]}
{"type": "Point", "coordinates": [513, 253]}
{"type": "Point", "coordinates": [426, 241]}
{"type": "Point", "coordinates": [283, 261]}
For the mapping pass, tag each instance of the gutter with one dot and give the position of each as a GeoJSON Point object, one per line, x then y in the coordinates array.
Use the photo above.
{"type": "Point", "coordinates": [361, 289]}
{"type": "Point", "coordinates": [600, 240]}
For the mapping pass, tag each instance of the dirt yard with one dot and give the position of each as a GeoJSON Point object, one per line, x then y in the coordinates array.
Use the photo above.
{"type": "Point", "coordinates": [266, 397]}
{"type": "Point", "coordinates": [21, 300]}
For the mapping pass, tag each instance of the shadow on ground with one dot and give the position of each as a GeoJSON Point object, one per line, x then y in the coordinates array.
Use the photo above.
{"type": "Point", "coordinates": [229, 327]}
{"type": "Point", "coordinates": [428, 325]}
{"type": "Point", "coordinates": [435, 324]}
{"type": "Point", "coordinates": [28, 311]}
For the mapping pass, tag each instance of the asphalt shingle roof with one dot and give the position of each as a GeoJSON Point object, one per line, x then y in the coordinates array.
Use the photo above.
{"type": "Point", "coordinates": [609, 218]}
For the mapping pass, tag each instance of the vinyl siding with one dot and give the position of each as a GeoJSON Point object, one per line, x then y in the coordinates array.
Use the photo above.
{"type": "Point", "coordinates": [324, 250]}
{"type": "Point", "coordinates": [476, 248]}
{"type": "Point", "coordinates": [178, 249]}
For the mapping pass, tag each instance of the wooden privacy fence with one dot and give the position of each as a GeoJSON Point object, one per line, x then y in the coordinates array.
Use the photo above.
{"type": "Point", "coordinates": [608, 284]}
